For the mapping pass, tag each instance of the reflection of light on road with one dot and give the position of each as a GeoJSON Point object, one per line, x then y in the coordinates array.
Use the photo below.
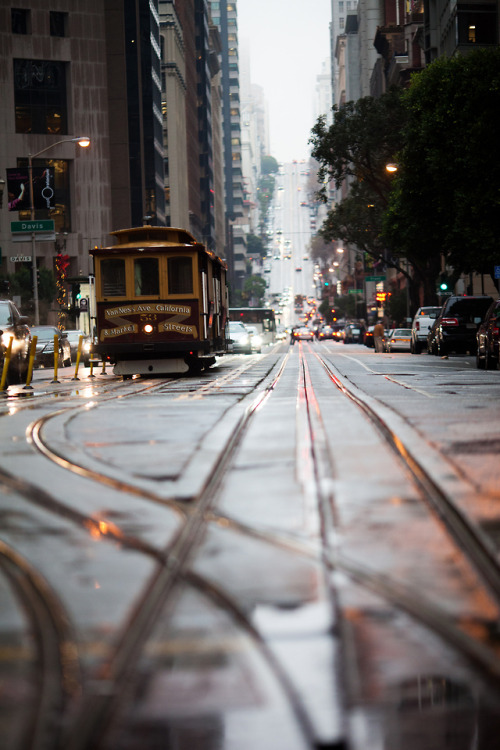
{"type": "Point", "coordinates": [99, 528]}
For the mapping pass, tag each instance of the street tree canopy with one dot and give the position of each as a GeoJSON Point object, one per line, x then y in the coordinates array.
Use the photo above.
{"type": "Point", "coordinates": [447, 190]}
{"type": "Point", "coordinates": [444, 200]}
{"type": "Point", "coordinates": [268, 165]}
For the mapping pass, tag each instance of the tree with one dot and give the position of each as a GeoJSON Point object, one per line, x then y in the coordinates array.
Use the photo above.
{"type": "Point", "coordinates": [268, 165]}
{"type": "Point", "coordinates": [254, 289]}
{"type": "Point", "coordinates": [255, 246]}
{"type": "Point", "coordinates": [354, 151]}
{"type": "Point", "coordinates": [445, 201]}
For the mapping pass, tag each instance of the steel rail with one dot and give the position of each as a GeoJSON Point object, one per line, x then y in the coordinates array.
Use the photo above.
{"type": "Point", "coordinates": [98, 711]}
{"type": "Point", "coordinates": [58, 658]}
{"type": "Point", "coordinates": [468, 536]}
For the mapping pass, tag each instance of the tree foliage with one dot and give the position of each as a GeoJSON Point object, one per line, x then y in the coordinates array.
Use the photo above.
{"type": "Point", "coordinates": [254, 289]}
{"type": "Point", "coordinates": [255, 246]}
{"type": "Point", "coordinates": [446, 196]}
{"type": "Point", "coordinates": [268, 165]}
{"type": "Point", "coordinates": [444, 200]}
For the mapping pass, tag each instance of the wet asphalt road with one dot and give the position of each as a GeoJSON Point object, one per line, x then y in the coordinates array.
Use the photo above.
{"type": "Point", "coordinates": [239, 560]}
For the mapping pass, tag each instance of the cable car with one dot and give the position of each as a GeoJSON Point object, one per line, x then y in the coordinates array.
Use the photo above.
{"type": "Point", "coordinates": [161, 302]}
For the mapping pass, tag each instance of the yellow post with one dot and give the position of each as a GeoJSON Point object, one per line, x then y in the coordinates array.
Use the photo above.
{"type": "Point", "coordinates": [28, 385]}
{"type": "Point", "coordinates": [103, 371]}
{"type": "Point", "coordinates": [56, 357]}
{"type": "Point", "coordinates": [78, 355]}
{"type": "Point", "coordinates": [6, 363]}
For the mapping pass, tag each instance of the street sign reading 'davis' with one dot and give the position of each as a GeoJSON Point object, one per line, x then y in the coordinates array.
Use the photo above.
{"type": "Point", "coordinates": [44, 225]}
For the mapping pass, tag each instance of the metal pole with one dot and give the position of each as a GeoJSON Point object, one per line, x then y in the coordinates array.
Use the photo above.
{"type": "Point", "coordinates": [33, 245]}
{"type": "Point", "coordinates": [83, 141]}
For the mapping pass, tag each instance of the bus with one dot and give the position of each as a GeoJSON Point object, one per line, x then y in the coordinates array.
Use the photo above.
{"type": "Point", "coordinates": [263, 318]}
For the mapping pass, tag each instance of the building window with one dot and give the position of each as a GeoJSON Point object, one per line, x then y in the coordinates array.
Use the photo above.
{"type": "Point", "coordinates": [58, 23]}
{"type": "Point", "coordinates": [341, 6]}
{"type": "Point", "coordinates": [477, 24]}
{"type": "Point", "coordinates": [40, 97]}
{"type": "Point", "coordinates": [20, 21]}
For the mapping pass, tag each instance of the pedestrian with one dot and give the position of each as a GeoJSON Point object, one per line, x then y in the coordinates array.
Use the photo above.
{"type": "Point", "coordinates": [378, 337]}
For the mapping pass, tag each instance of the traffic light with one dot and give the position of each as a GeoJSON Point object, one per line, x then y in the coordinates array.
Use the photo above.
{"type": "Point", "coordinates": [444, 282]}
{"type": "Point", "coordinates": [76, 293]}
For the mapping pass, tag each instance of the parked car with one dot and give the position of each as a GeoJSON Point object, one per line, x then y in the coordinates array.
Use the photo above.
{"type": "Point", "coordinates": [304, 334]}
{"type": "Point", "coordinates": [74, 338]}
{"type": "Point", "coordinates": [14, 325]}
{"type": "Point", "coordinates": [458, 321]}
{"type": "Point", "coordinates": [240, 338]}
{"type": "Point", "coordinates": [368, 337]}
{"type": "Point", "coordinates": [488, 335]}
{"type": "Point", "coordinates": [44, 356]}
{"type": "Point", "coordinates": [352, 334]}
{"type": "Point", "coordinates": [422, 323]}
{"type": "Point", "coordinates": [431, 339]}
{"type": "Point", "coordinates": [398, 340]}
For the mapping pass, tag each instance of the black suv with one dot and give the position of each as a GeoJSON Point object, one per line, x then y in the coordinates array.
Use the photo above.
{"type": "Point", "coordinates": [14, 325]}
{"type": "Point", "coordinates": [457, 323]}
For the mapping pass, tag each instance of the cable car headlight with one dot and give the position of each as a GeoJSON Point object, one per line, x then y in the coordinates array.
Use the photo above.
{"type": "Point", "coordinates": [148, 328]}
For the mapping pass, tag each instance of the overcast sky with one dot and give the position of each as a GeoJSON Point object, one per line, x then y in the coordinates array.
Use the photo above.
{"type": "Point", "coordinates": [288, 42]}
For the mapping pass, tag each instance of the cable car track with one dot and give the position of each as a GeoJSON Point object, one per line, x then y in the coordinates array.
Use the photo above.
{"type": "Point", "coordinates": [97, 710]}
{"type": "Point", "coordinates": [85, 731]}
{"type": "Point", "coordinates": [483, 654]}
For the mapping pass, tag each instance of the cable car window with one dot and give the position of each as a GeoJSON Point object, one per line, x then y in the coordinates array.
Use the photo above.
{"type": "Point", "coordinates": [146, 279]}
{"type": "Point", "coordinates": [113, 278]}
{"type": "Point", "coordinates": [180, 276]}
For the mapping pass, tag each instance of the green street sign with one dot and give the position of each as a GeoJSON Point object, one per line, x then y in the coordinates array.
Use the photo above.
{"type": "Point", "coordinates": [375, 278]}
{"type": "Point", "coordinates": [44, 225]}
{"type": "Point", "coordinates": [355, 291]}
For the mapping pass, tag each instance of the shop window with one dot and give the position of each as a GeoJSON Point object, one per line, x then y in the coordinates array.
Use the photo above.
{"type": "Point", "coordinates": [180, 276]}
{"type": "Point", "coordinates": [113, 277]}
{"type": "Point", "coordinates": [146, 279]}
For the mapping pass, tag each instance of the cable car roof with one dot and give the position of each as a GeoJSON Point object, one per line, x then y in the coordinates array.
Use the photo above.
{"type": "Point", "coordinates": [154, 238]}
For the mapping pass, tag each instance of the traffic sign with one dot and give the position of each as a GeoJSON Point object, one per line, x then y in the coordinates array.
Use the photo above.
{"type": "Point", "coordinates": [375, 278]}
{"type": "Point", "coordinates": [45, 237]}
{"type": "Point", "coordinates": [43, 225]}
{"type": "Point", "coordinates": [20, 258]}
{"type": "Point", "coordinates": [355, 291]}
{"type": "Point", "coordinates": [497, 272]}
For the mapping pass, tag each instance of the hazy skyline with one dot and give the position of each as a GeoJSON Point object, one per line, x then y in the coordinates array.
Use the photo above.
{"type": "Point", "coordinates": [288, 41]}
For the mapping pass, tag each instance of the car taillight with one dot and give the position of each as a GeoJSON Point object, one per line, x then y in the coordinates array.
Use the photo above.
{"type": "Point", "coordinates": [449, 322]}
{"type": "Point", "coordinates": [417, 326]}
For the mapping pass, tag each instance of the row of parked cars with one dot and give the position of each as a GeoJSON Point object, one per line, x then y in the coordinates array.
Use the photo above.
{"type": "Point", "coordinates": [462, 324]}
{"type": "Point", "coordinates": [16, 326]}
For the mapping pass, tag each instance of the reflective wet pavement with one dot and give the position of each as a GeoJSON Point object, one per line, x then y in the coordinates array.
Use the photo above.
{"type": "Point", "coordinates": [261, 634]}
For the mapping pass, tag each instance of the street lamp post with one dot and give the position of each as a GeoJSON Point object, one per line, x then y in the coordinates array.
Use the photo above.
{"type": "Point", "coordinates": [82, 141]}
